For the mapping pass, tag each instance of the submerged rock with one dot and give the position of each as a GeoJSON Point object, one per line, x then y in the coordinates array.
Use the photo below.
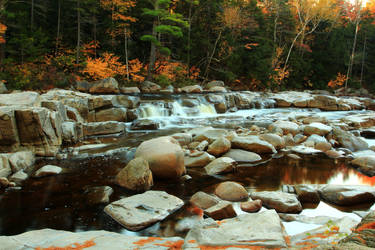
{"type": "Point", "coordinates": [280, 201]}
{"type": "Point", "coordinates": [136, 175]}
{"type": "Point", "coordinates": [18, 177]}
{"type": "Point", "coordinates": [142, 210]}
{"type": "Point", "coordinates": [164, 155]}
{"type": "Point", "coordinates": [97, 195]}
{"type": "Point", "coordinates": [246, 230]}
{"type": "Point", "coordinates": [231, 191]}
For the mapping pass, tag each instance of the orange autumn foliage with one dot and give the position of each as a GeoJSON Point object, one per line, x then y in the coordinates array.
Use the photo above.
{"type": "Point", "coordinates": [103, 67]}
{"type": "Point", "coordinates": [175, 70]}
{"type": "Point", "coordinates": [339, 81]}
{"type": "Point", "coordinates": [3, 29]}
{"type": "Point", "coordinates": [74, 246]}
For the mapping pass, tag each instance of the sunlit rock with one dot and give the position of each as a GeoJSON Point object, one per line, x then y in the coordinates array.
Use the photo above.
{"type": "Point", "coordinates": [191, 89]}
{"type": "Point", "coordinates": [136, 175]}
{"type": "Point", "coordinates": [199, 159]}
{"type": "Point", "coordinates": [246, 230]}
{"type": "Point", "coordinates": [276, 140]}
{"type": "Point", "coordinates": [220, 166]}
{"type": "Point", "coordinates": [219, 146]}
{"type": "Point", "coordinates": [26, 98]}
{"type": "Point", "coordinates": [253, 144]}
{"type": "Point", "coordinates": [280, 201]}
{"type": "Point", "coordinates": [164, 155]}
{"type": "Point", "coordinates": [47, 170]}
{"type": "Point", "coordinates": [231, 191]}
{"type": "Point", "coordinates": [242, 156]}
{"type": "Point", "coordinates": [21, 160]}
{"type": "Point", "coordinates": [142, 210]}
{"type": "Point", "coordinates": [349, 141]}
{"type": "Point", "coordinates": [286, 126]}
{"type": "Point", "coordinates": [317, 128]}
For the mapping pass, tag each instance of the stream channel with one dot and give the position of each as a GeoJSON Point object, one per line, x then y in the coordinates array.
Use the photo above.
{"type": "Point", "coordinates": [60, 202]}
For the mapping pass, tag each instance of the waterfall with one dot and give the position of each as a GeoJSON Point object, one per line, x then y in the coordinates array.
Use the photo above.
{"type": "Point", "coordinates": [153, 110]}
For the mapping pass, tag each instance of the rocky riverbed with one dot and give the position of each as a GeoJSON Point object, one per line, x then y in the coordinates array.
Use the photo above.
{"type": "Point", "coordinates": [127, 168]}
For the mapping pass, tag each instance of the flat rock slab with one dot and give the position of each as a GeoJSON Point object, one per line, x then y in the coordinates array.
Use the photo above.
{"type": "Point", "coordinates": [140, 211]}
{"type": "Point", "coordinates": [55, 239]}
{"type": "Point", "coordinates": [48, 170]}
{"type": "Point", "coordinates": [260, 229]}
{"type": "Point", "coordinates": [243, 156]}
{"type": "Point", "coordinates": [348, 194]}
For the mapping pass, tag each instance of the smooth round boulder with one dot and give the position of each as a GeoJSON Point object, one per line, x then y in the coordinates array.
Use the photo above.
{"type": "Point", "coordinates": [220, 166]}
{"type": "Point", "coordinates": [164, 156]}
{"type": "Point", "coordinates": [219, 146]}
{"type": "Point", "coordinates": [231, 191]}
{"type": "Point", "coordinates": [136, 175]}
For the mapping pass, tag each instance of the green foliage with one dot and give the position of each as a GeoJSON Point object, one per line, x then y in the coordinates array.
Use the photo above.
{"type": "Point", "coordinates": [150, 38]}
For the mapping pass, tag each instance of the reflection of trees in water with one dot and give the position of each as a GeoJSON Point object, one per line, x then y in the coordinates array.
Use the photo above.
{"type": "Point", "coordinates": [309, 170]}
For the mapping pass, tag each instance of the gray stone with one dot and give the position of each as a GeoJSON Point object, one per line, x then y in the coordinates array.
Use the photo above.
{"type": "Point", "coordinates": [98, 195]}
{"type": "Point", "coordinates": [105, 86]}
{"type": "Point", "coordinates": [136, 175]}
{"type": "Point", "coordinates": [112, 114]}
{"type": "Point", "coordinates": [221, 210]}
{"type": "Point", "coordinates": [8, 129]}
{"type": "Point", "coordinates": [21, 160]}
{"type": "Point", "coordinates": [3, 88]}
{"type": "Point", "coordinates": [149, 87]}
{"type": "Point", "coordinates": [26, 98]}
{"type": "Point", "coordinates": [5, 169]}
{"type": "Point", "coordinates": [127, 101]}
{"type": "Point", "coordinates": [246, 230]}
{"type": "Point", "coordinates": [130, 90]}
{"type": "Point", "coordinates": [253, 144]}
{"type": "Point", "coordinates": [348, 194]}
{"type": "Point", "coordinates": [145, 124]}
{"type": "Point", "coordinates": [55, 239]}
{"type": "Point", "coordinates": [280, 201]}
{"type": "Point", "coordinates": [220, 166]}
{"type": "Point", "coordinates": [365, 163]}
{"type": "Point", "coordinates": [242, 156]}
{"type": "Point", "coordinates": [70, 132]}
{"type": "Point", "coordinates": [203, 200]}
{"type": "Point", "coordinates": [48, 170]}
{"type": "Point", "coordinates": [317, 128]}
{"type": "Point", "coordinates": [142, 210]}
{"type": "Point", "coordinates": [215, 83]}
{"type": "Point", "coordinates": [198, 160]}
{"type": "Point", "coordinates": [191, 89]}
{"type": "Point", "coordinates": [349, 141]}
{"type": "Point", "coordinates": [103, 128]}
{"type": "Point", "coordinates": [18, 177]}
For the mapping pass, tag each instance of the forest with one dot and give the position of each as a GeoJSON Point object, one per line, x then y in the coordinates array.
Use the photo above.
{"type": "Point", "coordinates": [249, 44]}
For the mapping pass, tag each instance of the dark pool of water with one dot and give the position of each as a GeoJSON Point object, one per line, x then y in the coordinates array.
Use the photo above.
{"type": "Point", "coordinates": [60, 202]}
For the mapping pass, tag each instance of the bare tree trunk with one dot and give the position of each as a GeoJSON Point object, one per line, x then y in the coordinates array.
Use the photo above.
{"type": "Point", "coordinates": [212, 55]}
{"type": "Point", "coordinates": [189, 37]}
{"type": "Point", "coordinates": [363, 59]}
{"type": "Point", "coordinates": [94, 20]}
{"type": "Point", "coordinates": [126, 53]}
{"type": "Point", "coordinates": [78, 30]}
{"type": "Point", "coordinates": [151, 64]}
{"type": "Point", "coordinates": [291, 47]}
{"type": "Point", "coordinates": [58, 26]}
{"type": "Point", "coordinates": [2, 45]}
{"type": "Point", "coordinates": [351, 61]}
{"type": "Point", "coordinates": [32, 15]}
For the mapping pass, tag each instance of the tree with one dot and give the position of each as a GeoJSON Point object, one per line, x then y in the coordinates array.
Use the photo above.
{"type": "Point", "coordinates": [165, 22]}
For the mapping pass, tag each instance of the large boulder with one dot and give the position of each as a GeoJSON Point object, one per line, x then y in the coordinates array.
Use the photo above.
{"type": "Point", "coordinates": [5, 169]}
{"type": "Point", "coordinates": [36, 130]}
{"type": "Point", "coordinates": [222, 210]}
{"type": "Point", "coordinates": [105, 86]}
{"type": "Point", "coordinates": [306, 193]}
{"type": "Point", "coordinates": [164, 155]}
{"type": "Point", "coordinates": [130, 90]}
{"type": "Point", "coordinates": [8, 129]}
{"type": "Point", "coordinates": [136, 175]}
{"type": "Point", "coordinates": [280, 201]}
{"type": "Point", "coordinates": [347, 195]}
{"type": "Point", "coordinates": [231, 191]}
{"type": "Point", "coordinates": [215, 84]}
{"type": "Point", "coordinates": [258, 231]}
{"type": "Point", "coordinates": [277, 141]}
{"type": "Point", "coordinates": [100, 101]}
{"type": "Point", "coordinates": [365, 163]}
{"type": "Point", "coordinates": [142, 210]}
{"type": "Point", "coordinates": [348, 140]}
{"type": "Point", "coordinates": [220, 166]}
{"type": "Point", "coordinates": [21, 160]}
{"type": "Point", "coordinates": [126, 101]}
{"type": "Point", "coordinates": [253, 144]}
{"type": "Point", "coordinates": [71, 132]}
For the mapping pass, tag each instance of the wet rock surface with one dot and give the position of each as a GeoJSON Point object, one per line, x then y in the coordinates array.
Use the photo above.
{"type": "Point", "coordinates": [280, 201]}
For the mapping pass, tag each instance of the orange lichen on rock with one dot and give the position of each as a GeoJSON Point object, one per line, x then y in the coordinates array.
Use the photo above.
{"type": "Point", "coordinates": [320, 235]}
{"type": "Point", "coordinates": [370, 225]}
{"type": "Point", "coordinates": [172, 245]}
{"type": "Point", "coordinates": [146, 241]}
{"type": "Point", "coordinates": [234, 246]}
{"type": "Point", "coordinates": [287, 240]}
{"type": "Point", "coordinates": [73, 246]}
{"type": "Point", "coordinates": [307, 245]}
